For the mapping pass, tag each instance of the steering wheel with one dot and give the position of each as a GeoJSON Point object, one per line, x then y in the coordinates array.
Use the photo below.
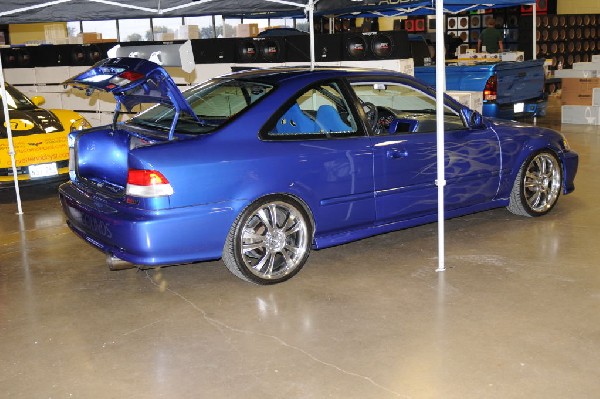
{"type": "Point", "coordinates": [372, 116]}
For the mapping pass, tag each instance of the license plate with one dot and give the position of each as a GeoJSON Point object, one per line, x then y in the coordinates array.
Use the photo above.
{"type": "Point", "coordinates": [43, 170]}
{"type": "Point", "coordinates": [519, 108]}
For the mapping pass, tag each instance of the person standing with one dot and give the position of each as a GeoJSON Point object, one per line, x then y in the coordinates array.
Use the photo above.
{"type": "Point", "coordinates": [491, 38]}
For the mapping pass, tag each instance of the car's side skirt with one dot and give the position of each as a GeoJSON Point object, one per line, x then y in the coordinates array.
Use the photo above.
{"type": "Point", "coordinates": [326, 241]}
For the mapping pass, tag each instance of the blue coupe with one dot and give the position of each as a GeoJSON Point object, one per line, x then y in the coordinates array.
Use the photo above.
{"type": "Point", "coordinates": [261, 166]}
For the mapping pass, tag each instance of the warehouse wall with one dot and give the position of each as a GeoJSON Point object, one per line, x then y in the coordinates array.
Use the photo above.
{"type": "Point", "coordinates": [578, 6]}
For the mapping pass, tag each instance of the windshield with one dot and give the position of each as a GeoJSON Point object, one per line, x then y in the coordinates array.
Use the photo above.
{"type": "Point", "coordinates": [17, 100]}
{"type": "Point", "coordinates": [214, 102]}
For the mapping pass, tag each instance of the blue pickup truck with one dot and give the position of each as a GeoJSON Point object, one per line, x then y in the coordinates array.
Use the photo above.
{"type": "Point", "coordinates": [510, 90]}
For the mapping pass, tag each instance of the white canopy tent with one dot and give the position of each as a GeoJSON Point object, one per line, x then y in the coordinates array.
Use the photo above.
{"type": "Point", "coordinates": [23, 11]}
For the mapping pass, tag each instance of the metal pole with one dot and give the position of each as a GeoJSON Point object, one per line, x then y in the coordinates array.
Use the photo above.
{"type": "Point", "coordinates": [440, 88]}
{"type": "Point", "coordinates": [11, 147]}
{"type": "Point", "coordinates": [534, 31]}
{"type": "Point", "coordinates": [311, 30]}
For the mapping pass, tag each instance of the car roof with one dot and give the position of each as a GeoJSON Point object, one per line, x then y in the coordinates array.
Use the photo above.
{"type": "Point", "coordinates": [279, 74]}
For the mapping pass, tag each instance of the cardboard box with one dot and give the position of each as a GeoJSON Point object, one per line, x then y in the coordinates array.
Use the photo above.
{"type": "Point", "coordinates": [512, 56]}
{"type": "Point", "coordinates": [91, 37]}
{"type": "Point", "coordinates": [574, 98]}
{"type": "Point", "coordinates": [586, 66]}
{"type": "Point", "coordinates": [471, 99]}
{"type": "Point", "coordinates": [580, 114]}
{"type": "Point", "coordinates": [55, 33]}
{"type": "Point", "coordinates": [186, 32]}
{"type": "Point", "coordinates": [462, 97]}
{"type": "Point", "coordinates": [406, 66]}
{"type": "Point", "coordinates": [164, 36]}
{"type": "Point", "coordinates": [474, 58]}
{"type": "Point", "coordinates": [246, 30]}
{"type": "Point", "coordinates": [75, 40]}
{"type": "Point", "coordinates": [596, 96]}
{"type": "Point", "coordinates": [575, 73]}
{"type": "Point", "coordinates": [578, 91]}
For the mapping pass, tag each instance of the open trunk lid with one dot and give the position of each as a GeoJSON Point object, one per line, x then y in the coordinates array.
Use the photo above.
{"type": "Point", "coordinates": [101, 157]}
{"type": "Point", "coordinates": [134, 81]}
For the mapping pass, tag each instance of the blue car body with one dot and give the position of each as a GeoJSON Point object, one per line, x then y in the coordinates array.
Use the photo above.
{"type": "Point", "coordinates": [355, 180]}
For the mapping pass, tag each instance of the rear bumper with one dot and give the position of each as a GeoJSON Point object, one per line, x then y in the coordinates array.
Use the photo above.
{"type": "Point", "coordinates": [530, 108]}
{"type": "Point", "coordinates": [143, 237]}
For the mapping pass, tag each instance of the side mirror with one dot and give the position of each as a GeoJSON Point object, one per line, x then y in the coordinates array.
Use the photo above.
{"type": "Point", "coordinates": [38, 100]}
{"type": "Point", "coordinates": [473, 118]}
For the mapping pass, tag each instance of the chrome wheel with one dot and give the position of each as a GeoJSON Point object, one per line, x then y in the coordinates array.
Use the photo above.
{"type": "Point", "coordinates": [537, 186]}
{"type": "Point", "coordinates": [269, 243]}
{"type": "Point", "coordinates": [542, 182]}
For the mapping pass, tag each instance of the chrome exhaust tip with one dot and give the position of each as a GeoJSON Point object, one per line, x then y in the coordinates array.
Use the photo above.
{"type": "Point", "coordinates": [115, 263]}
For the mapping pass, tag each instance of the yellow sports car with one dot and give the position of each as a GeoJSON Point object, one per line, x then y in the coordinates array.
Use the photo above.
{"type": "Point", "coordinates": [39, 137]}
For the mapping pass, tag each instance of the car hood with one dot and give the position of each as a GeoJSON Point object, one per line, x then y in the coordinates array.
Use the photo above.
{"type": "Point", "coordinates": [32, 121]}
{"type": "Point", "coordinates": [506, 122]}
{"type": "Point", "coordinates": [132, 81]}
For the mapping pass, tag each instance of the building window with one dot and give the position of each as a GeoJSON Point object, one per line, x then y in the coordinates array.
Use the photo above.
{"type": "Point", "coordinates": [134, 30]}
{"type": "Point", "coordinates": [107, 28]}
{"type": "Point", "coordinates": [167, 28]}
{"type": "Point", "coordinates": [205, 24]}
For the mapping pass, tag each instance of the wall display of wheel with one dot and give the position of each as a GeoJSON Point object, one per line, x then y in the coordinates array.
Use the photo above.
{"type": "Point", "coordinates": [564, 39]}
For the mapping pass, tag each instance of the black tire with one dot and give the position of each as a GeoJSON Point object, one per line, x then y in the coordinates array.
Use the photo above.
{"type": "Point", "coordinates": [269, 241]}
{"type": "Point", "coordinates": [537, 186]}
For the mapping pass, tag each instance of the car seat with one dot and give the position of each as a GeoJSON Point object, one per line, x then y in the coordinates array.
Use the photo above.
{"type": "Point", "coordinates": [329, 120]}
{"type": "Point", "coordinates": [294, 121]}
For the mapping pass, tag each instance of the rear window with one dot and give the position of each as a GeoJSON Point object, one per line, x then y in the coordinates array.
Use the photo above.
{"type": "Point", "coordinates": [214, 102]}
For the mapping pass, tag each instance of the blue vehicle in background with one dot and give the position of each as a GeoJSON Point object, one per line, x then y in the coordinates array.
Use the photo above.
{"type": "Point", "coordinates": [510, 89]}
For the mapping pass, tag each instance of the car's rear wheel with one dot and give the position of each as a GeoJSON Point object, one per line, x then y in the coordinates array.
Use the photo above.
{"type": "Point", "coordinates": [269, 242]}
{"type": "Point", "coordinates": [537, 186]}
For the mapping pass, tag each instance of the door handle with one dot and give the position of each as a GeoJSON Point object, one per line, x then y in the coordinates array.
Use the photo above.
{"type": "Point", "coordinates": [396, 153]}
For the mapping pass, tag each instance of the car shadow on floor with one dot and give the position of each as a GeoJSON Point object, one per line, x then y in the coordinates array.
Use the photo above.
{"type": "Point", "coordinates": [31, 193]}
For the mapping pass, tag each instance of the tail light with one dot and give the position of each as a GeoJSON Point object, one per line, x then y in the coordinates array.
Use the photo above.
{"type": "Point", "coordinates": [147, 183]}
{"type": "Point", "coordinates": [491, 88]}
{"type": "Point", "coordinates": [124, 79]}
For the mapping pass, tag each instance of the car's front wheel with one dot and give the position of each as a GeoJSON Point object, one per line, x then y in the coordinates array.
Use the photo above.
{"type": "Point", "coordinates": [537, 186]}
{"type": "Point", "coordinates": [269, 242]}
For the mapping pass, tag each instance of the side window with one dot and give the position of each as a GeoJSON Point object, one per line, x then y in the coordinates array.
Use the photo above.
{"type": "Point", "coordinates": [320, 112]}
{"type": "Point", "coordinates": [404, 109]}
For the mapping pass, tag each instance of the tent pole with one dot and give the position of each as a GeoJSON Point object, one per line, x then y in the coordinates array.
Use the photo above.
{"type": "Point", "coordinates": [440, 88]}
{"type": "Point", "coordinates": [534, 30]}
{"type": "Point", "coordinates": [11, 147]}
{"type": "Point", "coordinates": [311, 30]}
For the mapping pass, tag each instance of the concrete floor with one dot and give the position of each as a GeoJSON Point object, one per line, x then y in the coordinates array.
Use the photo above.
{"type": "Point", "coordinates": [515, 315]}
